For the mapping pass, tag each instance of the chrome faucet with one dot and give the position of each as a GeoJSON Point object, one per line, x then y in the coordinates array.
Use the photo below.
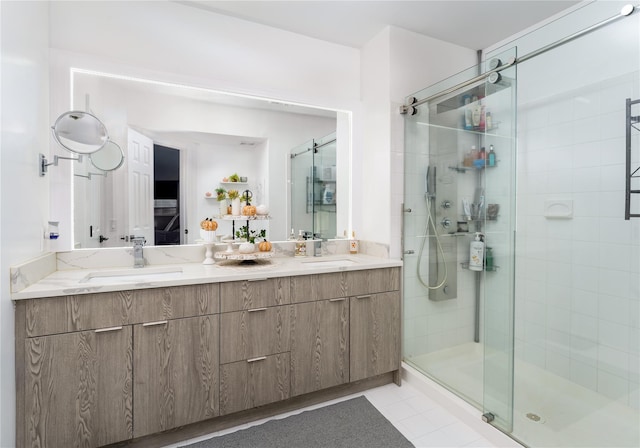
{"type": "Point", "coordinates": [138, 258]}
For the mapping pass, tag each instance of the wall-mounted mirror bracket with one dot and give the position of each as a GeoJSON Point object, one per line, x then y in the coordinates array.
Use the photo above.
{"type": "Point", "coordinates": [44, 163]}
{"type": "Point", "coordinates": [89, 175]}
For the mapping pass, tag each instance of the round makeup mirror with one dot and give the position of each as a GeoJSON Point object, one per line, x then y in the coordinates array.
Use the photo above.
{"type": "Point", "coordinates": [109, 158]}
{"type": "Point", "coordinates": [80, 132]}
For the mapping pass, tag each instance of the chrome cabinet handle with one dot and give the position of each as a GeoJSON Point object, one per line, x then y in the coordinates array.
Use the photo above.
{"type": "Point", "coordinates": [105, 330]}
{"type": "Point", "coordinates": [253, 310]}
{"type": "Point", "coordinates": [341, 299]}
{"type": "Point", "coordinates": [261, 358]}
{"type": "Point", "coordinates": [364, 297]}
{"type": "Point", "coordinates": [152, 324]}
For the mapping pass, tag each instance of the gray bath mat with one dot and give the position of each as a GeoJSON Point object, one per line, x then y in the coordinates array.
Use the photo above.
{"type": "Point", "coordinates": [349, 424]}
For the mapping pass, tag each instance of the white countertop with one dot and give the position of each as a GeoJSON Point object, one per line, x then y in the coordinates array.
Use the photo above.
{"type": "Point", "coordinates": [86, 281]}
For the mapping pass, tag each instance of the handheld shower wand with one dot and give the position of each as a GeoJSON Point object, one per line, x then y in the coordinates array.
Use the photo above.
{"type": "Point", "coordinates": [429, 194]}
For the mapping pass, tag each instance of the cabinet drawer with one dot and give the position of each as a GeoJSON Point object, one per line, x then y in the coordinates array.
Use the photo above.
{"type": "Point", "coordinates": [373, 281]}
{"type": "Point", "coordinates": [308, 288]}
{"type": "Point", "coordinates": [248, 294]}
{"type": "Point", "coordinates": [254, 382]}
{"type": "Point", "coordinates": [90, 311]}
{"type": "Point", "coordinates": [255, 332]}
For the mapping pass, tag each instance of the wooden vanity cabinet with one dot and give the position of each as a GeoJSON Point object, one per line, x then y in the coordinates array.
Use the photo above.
{"type": "Point", "coordinates": [78, 388]}
{"type": "Point", "coordinates": [375, 334]}
{"type": "Point", "coordinates": [175, 368]}
{"type": "Point", "coordinates": [97, 369]}
{"type": "Point", "coordinates": [319, 332]}
{"type": "Point", "coordinates": [255, 343]}
{"type": "Point", "coordinates": [374, 317]}
{"type": "Point", "coordinates": [90, 373]}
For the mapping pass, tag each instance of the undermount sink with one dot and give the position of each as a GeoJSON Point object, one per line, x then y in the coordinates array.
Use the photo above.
{"type": "Point", "coordinates": [136, 275]}
{"type": "Point", "coordinates": [333, 263]}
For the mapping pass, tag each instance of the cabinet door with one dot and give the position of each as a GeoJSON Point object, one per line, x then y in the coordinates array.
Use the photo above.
{"type": "Point", "coordinates": [319, 345]}
{"type": "Point", "coordinates": [78, 388]}
{"type": "Point", "coordinates": [375, 334]}
{"type": "Point", "coordinates": [176, 366]}
{"type": "Point", "coordinates": [254, 382]}
{"type": "Point", "coordinates": [252, 333]}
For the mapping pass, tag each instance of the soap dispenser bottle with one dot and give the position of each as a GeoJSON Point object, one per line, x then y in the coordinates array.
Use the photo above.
{"type": "Point", "coordinates": [353, 244]}
{"type": "Point", "coordinates": [476, 254]}
{"type": "Point", "coordinates": [301, 246]}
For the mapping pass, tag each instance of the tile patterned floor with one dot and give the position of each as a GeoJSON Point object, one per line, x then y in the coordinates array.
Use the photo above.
{"type": "Point", "coordinates": [422, 420]}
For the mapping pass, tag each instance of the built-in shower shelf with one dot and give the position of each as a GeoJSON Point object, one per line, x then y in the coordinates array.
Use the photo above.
{"type": "Point", "coordinates": [464, 169]}
{"type": "Point", "coordinates": [465, 265]}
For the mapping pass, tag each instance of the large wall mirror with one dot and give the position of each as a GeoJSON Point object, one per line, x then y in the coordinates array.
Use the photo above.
{"type": "Point", "coordinates": [180, 144]}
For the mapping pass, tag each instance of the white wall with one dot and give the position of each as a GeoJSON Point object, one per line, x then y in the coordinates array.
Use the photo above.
{"type": "Point", "coordinates": [24, 196]}
{"type": "Point", "coordinates": [395, 64]}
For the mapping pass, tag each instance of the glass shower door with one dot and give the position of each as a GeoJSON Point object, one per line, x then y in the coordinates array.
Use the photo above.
{"type": "Point", "coordinates": [459, 180]}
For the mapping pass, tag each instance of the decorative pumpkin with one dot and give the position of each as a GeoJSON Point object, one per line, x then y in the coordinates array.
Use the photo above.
{"type": "Point", "coordinates": [208, 224]}
{"type": "Point", "coordinates": [249, 210]}
{"type": "Point", "coordinates": [264, 246]}
{"type": "Point", "coordinates": [262, 209]}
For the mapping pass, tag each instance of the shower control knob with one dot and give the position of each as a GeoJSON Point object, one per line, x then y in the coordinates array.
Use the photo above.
{"type": "Point", "coordinates": [446, 223]}
{"type": "Point", "coordinates": [446, 204]}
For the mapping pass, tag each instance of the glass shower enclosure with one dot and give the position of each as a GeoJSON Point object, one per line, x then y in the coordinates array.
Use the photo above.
{"type": "Point", "coordinates": [543, 338]}
{"type": "Point", "coordinates": [459, 192]}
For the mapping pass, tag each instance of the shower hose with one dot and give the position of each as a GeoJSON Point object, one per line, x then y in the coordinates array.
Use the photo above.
{"type": "Point", "coordinates": [439, 248]}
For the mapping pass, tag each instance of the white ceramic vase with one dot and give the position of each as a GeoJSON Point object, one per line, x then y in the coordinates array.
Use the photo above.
{"type": "Point", "coordinates": [235, 207]}
{"type": "Point", "coordinates": [223, 207]}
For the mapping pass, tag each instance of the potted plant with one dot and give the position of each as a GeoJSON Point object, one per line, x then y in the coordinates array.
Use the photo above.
{"type": "Point", "coordinates": [234, 195]}
{"type": "Point", "coordinates": [221, 196]}
{"type": "Point", "coordinates": [243, 233]}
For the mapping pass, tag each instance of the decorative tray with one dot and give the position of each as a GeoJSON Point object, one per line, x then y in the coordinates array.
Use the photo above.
{"type": "Point", "coordinates": [235, 255]}
{"type": "Point", "coordinates": [243, 217]}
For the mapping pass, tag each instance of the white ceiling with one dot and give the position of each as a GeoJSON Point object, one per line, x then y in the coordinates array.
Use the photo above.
{"type": "Point", "coordinates": [475, 24]}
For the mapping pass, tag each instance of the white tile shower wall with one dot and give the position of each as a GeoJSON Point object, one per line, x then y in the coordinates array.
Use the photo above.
{"type": "Point", "coordinates": [578, 295]}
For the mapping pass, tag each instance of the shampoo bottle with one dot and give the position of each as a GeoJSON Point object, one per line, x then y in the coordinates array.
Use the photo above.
{"type": "Point", "coordinates": [476, 254]}
{"type": "Point", "coordinates": [492, 156]}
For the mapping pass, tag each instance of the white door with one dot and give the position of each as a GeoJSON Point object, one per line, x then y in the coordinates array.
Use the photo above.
{"type": "Point", "coordinates": [140, 150]}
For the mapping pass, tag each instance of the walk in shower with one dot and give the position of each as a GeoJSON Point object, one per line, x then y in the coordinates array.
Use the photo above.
{"type": "Point", "coordinates": [540, 158]}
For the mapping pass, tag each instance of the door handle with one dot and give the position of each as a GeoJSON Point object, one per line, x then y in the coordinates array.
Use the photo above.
{"type": "Point", "coordinates": [153, 324]}
{"type": "Point", "coordinates": [106, 330]}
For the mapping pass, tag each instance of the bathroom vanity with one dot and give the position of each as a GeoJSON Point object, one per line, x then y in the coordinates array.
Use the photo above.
{"type": "Point", "coordinates": [108, 364]}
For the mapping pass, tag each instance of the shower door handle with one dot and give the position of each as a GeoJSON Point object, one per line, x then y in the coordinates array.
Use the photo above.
{"type": "Point", "coordinates": [409, 252]}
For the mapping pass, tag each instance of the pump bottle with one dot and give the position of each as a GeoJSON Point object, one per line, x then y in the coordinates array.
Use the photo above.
{"type": "Point", "coordinates": [476, 254]}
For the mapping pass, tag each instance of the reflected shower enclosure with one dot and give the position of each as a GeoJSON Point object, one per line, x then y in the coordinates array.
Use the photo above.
{"type": "Point", "coordinates": [314, 187]}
